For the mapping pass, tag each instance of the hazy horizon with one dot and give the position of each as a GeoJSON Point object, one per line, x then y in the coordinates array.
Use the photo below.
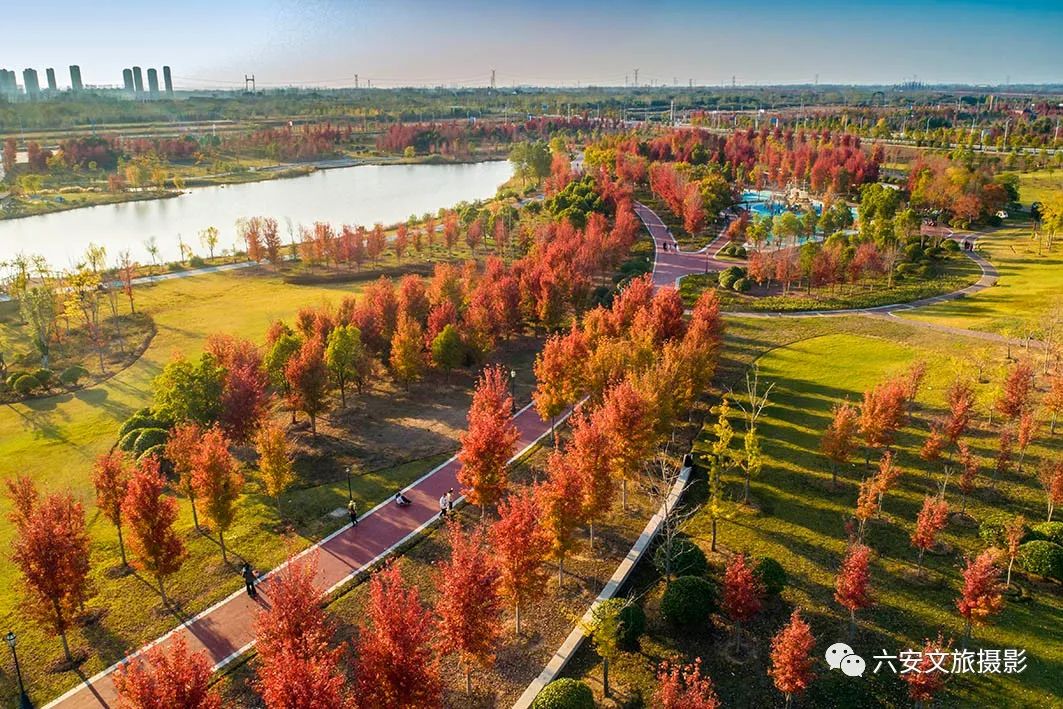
{"type": "Point", "coordinates": [326, 43]}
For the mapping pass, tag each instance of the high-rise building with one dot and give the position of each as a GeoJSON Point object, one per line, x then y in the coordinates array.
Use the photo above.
{"type": "Point", "coordinates": [75, 78]}
{"type": "Point", "coordinates": [153, 83]}
{"type": "Point", "coordinates": [127, 79]}
{"type": "Point", "coordinates": [138, 80]}
{"type": "Point", "coordinates": [8, 83]}
{"type": "Point", "coordinates": [31, 83]}
{"type": "Point", "coordinates": [167, 80]}
{"type": "Point", "coordinates": [50, 73]}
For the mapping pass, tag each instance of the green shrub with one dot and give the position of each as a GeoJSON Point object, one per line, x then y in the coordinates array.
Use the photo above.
{"type": "Point", "coordinates": [742, 285]}
{"type": "Point", "coordinates": [771, 574]}
{"type": "Point", "coordinates": [688, 602]}
{"type": "Point", "coordinates": [25, 384]}
{"type": "Point", "coordinates": [72, 375]}
{"type": "Point", "coordinates": [158, 450]}
{"type": "Point", "coordinates": [129, 439]}
{"type": "Point", "coordinates": [138, 421]}
{"type": "Point", "coordinates": [12, 378]}
{"type": "Point", "coordinates": [196, 262]}
{"type": "Point", "coordinates": [951, 246]}
{"type": "Point", "coordinates": [564, 694]}
{"type": "Point", "coordinates": [993, 529]}
{"type": "Point", "coordinates": [44, 377]}
{"type": "Point", "coordinates": [739, 251]}
{"type": "Point", "coordinates": [148, 438]}
{"type": "Point", "coordinates": [687, 558]}
{"type": "Point", "coordinates": [1042, 558]}
{"type": "Point", "coordinates": [1048, 531]}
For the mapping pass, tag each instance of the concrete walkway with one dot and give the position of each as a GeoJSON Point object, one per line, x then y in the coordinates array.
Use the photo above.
{"type": "Point", "coordinates": [226, 630]}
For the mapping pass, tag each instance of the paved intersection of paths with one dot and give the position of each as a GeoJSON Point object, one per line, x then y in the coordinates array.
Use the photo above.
{"type": "Point", "coordinates": [671, 265]}
{"type": "Point", "coordinates": [226, 630]}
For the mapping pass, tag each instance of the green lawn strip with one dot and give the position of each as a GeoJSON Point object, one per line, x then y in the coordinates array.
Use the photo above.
{"type": "Point", "coordinates": [800, 522]}
{"type": "Point", "coordinates": [1036, 186]}
{"type": "Point", "coordinates": [959, 272]}
{"type": "Point", "coordinates": [1029, 287]}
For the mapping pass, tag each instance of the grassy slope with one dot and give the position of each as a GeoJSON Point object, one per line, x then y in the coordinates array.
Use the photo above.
{"type": "Point", "coordinates": [55, 440]}
{"type": "Point", "coordinates": [1029, 286]}
{"type": "Point", "coordinates": [1035, 186]}
{"type": "Point", "coordinates": [814, 364]}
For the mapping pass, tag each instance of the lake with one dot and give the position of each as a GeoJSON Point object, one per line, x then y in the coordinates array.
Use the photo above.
{"type": "Point", "coordinates": [365, 194]}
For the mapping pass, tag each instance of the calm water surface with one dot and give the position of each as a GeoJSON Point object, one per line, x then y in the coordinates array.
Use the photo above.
{"type": "Point", "coordinates": [354, 195]}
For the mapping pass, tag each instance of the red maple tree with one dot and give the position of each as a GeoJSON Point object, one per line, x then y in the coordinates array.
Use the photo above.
{"type": "Point", "coordinates": [217, 480]}
{"type": "Point", "coordinates": [396, 664]}
{"type": "Point", "coordinates": [925, 681]}
{"type": "Point", "coordinates": [307, 378]}
{"type": "Point", "coordinates": [743, 594]}
{"type": "Point", "coordinates": [469, 605]}
{"type": "Point", "coordinates": [166, 676]}
{"type": "Point", "coordinates": [244, 398]}
{"type": "Point", "coordinates": [110, 477]}
{"type": "Point", "coordinates": [181, 449]}
{"type": "Point", "coordinates": [625, 418]}
{"type": "Point", "coordinates": [839, 440]}
{"type": "Point", "coordinates": [490, 441]}
{"type": "Point", "coordinates": [297, 668]}
{"type": "Point", "coordinates": [520, 547]}
{"type": "Point", "coordinates": [684, 687]}
{"type": "Point", "coordinates": [981, 595]}
{"type": "Point", "coordinates": [1015, 394]}
{"type": "Point", "coordinates": [561, 498]}
{"type": "Point", "coordinates": [587, 454]}
{"type": "Point", "coordinates": [791, 657]}
{"type": "Point", "coordinates": [969, 466]}
{"type": "Point", "coordinates": [960, 396]}
{"type": "Point", "coordinates": [932, 518]}
{"type": "Point", "coordinates": [851, 588]}
{"type": "Point", "coordinates": [1051, 476]}
{"type": "Point", "coordinates": [150, 516]}
{"type": "Point", "coordinates": [51, 551]}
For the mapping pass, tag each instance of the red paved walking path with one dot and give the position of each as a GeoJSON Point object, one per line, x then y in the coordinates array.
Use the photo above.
{"type": "Point", "coordinates": [225, 630]}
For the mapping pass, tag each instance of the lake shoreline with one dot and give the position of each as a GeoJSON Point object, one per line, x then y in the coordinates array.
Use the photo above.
{"type": "Point", "coordinates": [280, 171]}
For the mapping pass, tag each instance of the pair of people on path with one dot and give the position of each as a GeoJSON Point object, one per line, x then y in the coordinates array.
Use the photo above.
{"type": "Point", "coordinates": [446, 503]}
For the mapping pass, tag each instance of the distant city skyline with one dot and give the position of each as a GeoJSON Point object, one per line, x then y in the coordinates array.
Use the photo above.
{"type": "Point", "coordinates": [550, 43]}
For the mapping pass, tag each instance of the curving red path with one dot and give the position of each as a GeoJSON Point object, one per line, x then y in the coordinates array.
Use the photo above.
{"type": "Point", "coordinates": [670, 264]}
{"type": "Point", "coordinates": [225, 631]}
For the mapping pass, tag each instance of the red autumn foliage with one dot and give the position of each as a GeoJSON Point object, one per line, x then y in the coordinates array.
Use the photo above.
{"type": "Point", "coordinates": [307, 378]}
{"type": "Point", "coordinates": [110, 478]}
{"type": "Point", "coordinates": [244, 399]}
{"type": "Point", "coordinates": [1015, 394]}
{"type": "Point", "coordinates": [924, 684]}
{"type": "Point", "coordinates": [396, 664]}
{"type": "Point", "coordinates": [297, 668]}
{"type": "Point", "coordinates": [791, 657]}
{"type": "Point", "coordinates": [490, 441]}
{"type": "Point", "coordinates": [217, 481]}
{"type": "Point", "coordinates": [961, 401]}
{"type": "Point", "coordinates": [852, 585]}
{"type": "Point", "coordinates": [469, 605]}
{"type": "Point", "coordinates": [981, 595]}
{"type": "Point", "coordinates": [520, 546]}
{"type": "Point", "coordinates": [932, 518]}
{"type": "Point", "coordinates": [684, 687]}
{"type": "Point", "coordinates": [150, 517]}
{"type": "Point", "coordinates": [51, 551]}
{"type": "Point", "coordinates": [164, 677]}
{"type": "Point", "coordinates": [743, 591]}
{"type": "Point", "coordinates": [839, 440]}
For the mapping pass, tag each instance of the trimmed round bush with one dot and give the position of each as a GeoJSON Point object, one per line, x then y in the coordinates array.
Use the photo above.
{"type": "Point", "coordinates": [1042, 558]}
{"type": "Point", "coordinates": [72, 375]}
{"type": "Point", "coordinates": [149, 437]}
{"type": "Point", "coordinates": [739, 251]}
{"type": "Point", "coordinates": [951, 246]}
{"type": "Point", "coordinates": [564, 693]}
{"type": "Point", "coordinates": [771, 574]}
{"type": "Point", "coordinates": [158, 450]}
{"type": "Point", "coordinates": [25, 384]}
{"type": "Point", "coordinates": [688, 602]}
{"type": "Point", "coordinates": [129, 439]}
{"type": "Point", "coordinates": [136, 422]}
{"type": "Point", "coordinates": [742, 285]}
{"type": "Point", "coordinates": [1048, 531]}
{"type": "Point", "coordinates": [687, 558]}
{"type": "Point", "coordinates": [993, 529]}
{"type": "Point", "coordinates": [44, 377]}
{"type": "Point", "coordinates": [12, 378]}
{"type": "Point", "coordinates": [726, 280]}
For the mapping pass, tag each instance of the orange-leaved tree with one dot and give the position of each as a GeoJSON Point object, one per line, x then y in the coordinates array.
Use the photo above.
{"type": "Point", "coordinates": [490, 440]}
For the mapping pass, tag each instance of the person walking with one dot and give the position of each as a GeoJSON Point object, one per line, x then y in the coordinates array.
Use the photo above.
{"type": "Point", "coordinates": [450, 500]}
{"type": "Point", "coordinates": [443, 507]}
{"type": "Point", "coordinates": [352, 510]}
{"type": "Point", "coordinates": [249, 580]}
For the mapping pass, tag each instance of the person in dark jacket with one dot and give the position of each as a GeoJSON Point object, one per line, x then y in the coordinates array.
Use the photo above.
{"type": "Point", "coordinates": [249, 580]}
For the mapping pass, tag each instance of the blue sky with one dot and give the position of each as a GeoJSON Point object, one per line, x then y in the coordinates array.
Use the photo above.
{"type": "Point", "coordinates": [548, 42]}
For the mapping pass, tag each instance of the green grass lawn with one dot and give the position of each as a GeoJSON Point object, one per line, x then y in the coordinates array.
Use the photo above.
{"type": "Point", "coordinates": [798, 519]}
{"type": "Point", "coordinates": [1036, 186]}
{"type": "Point", "coordinates": [1030, 286]}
